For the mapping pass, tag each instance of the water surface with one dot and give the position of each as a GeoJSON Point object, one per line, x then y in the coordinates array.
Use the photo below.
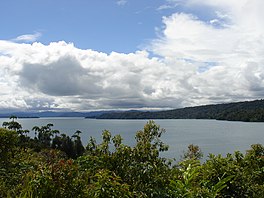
{"type": "Point", "coordinates": [217, 137]}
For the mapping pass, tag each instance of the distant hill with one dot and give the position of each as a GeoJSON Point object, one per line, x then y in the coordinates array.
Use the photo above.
{"type": "Point", "coordinates": [248, 111]}
{"type": "Point", "coordinates": [92, 114]}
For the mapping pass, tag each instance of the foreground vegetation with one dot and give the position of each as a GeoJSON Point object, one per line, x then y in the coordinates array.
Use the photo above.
{"type": "Point", "coordinates": [56, 165]}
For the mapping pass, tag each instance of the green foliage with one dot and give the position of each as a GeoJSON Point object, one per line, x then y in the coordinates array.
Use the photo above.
{"type": "Point", "coordinates": [56, 165]}
{"type": "Point", "coordinates": [107, 184]}
{"type": "Point", "coordinates": [247, 171]}
{"type": "Point", "coordinates": [185, 185]}
{"type": "Point", "coordinates": [12, 125]}
{"type": "Point", "coordinates": [44, 134]}
{"type": "Point", "coordinates": [59, 179]}
{"type": "Point", "coordinates": [194, 152]}
{"type": "Point", "coordinates": [8, 142]}
{"type": "Point", "coordinates": [189, 184]}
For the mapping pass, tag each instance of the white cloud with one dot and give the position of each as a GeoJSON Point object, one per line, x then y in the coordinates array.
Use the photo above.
{"type": "Point", "coordinates": [121, 2]}
{"type": "Point", "coordinates": [28, 37]}
{"type": "Point", "coordinates": [170, 4]}
{"type": "Point", "coordinates": [197, 62]}
{"type": "Point", "coordinates": [234, 48]}
{"type": "Point", "coordinates": [68, 77]}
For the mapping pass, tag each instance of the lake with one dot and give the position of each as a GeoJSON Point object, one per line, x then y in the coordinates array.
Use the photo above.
{"type": "Point", "coordinates": [217, 137]}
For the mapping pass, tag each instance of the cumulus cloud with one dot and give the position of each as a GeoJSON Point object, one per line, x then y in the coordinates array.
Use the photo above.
{"type": "Point", "coordinates": [64, 77]}
{"type": "Point", "coordinates": [67, 77]}
{"type": "Point", "coordinates": [226, 49]}
{"type": "Point", "coordinates": [193, 62]}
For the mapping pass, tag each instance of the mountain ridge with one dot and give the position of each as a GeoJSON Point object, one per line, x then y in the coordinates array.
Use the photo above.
{"type": "Point", "coordinates": [247, 111]}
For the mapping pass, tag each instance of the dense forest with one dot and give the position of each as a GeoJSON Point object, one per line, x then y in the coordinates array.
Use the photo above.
{"type": "Point", "coordinates": [249, 111]}
{"type": "Point", "coordinates": [52, 164]}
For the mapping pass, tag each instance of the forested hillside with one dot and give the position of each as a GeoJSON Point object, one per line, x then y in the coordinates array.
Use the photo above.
{"type": "Point", "coordinates": [249, 111]}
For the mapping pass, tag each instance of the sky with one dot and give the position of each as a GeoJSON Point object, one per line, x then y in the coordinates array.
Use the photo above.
{"type": "Point", "coordinates": [79, 55]}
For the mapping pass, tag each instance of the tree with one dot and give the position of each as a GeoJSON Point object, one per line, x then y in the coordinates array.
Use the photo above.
{"type": "Point", "coordinates": [194, 152]}
{"type": "Point", "coordinates": [13, 117]}
{"type": "Point", "coordinates": [12, 125]}
{"type": "Point", "coordinates": [78, 146]}
{"type": "Point", "coordinates": [8, 143]}
{"type": "Point", "coordinates": [140, 167]}
{"type": "Point", "coordinates": [44, 134]}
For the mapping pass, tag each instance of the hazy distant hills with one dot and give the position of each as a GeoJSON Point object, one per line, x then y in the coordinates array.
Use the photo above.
{"type": "Point", "coordinates": [92, 114]}
{"type": "Point", "coordinates": [249, 111]}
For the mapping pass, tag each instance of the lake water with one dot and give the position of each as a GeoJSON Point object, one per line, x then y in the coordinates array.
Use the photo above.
{"type": "Point", "coordinates": [217, 137]}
